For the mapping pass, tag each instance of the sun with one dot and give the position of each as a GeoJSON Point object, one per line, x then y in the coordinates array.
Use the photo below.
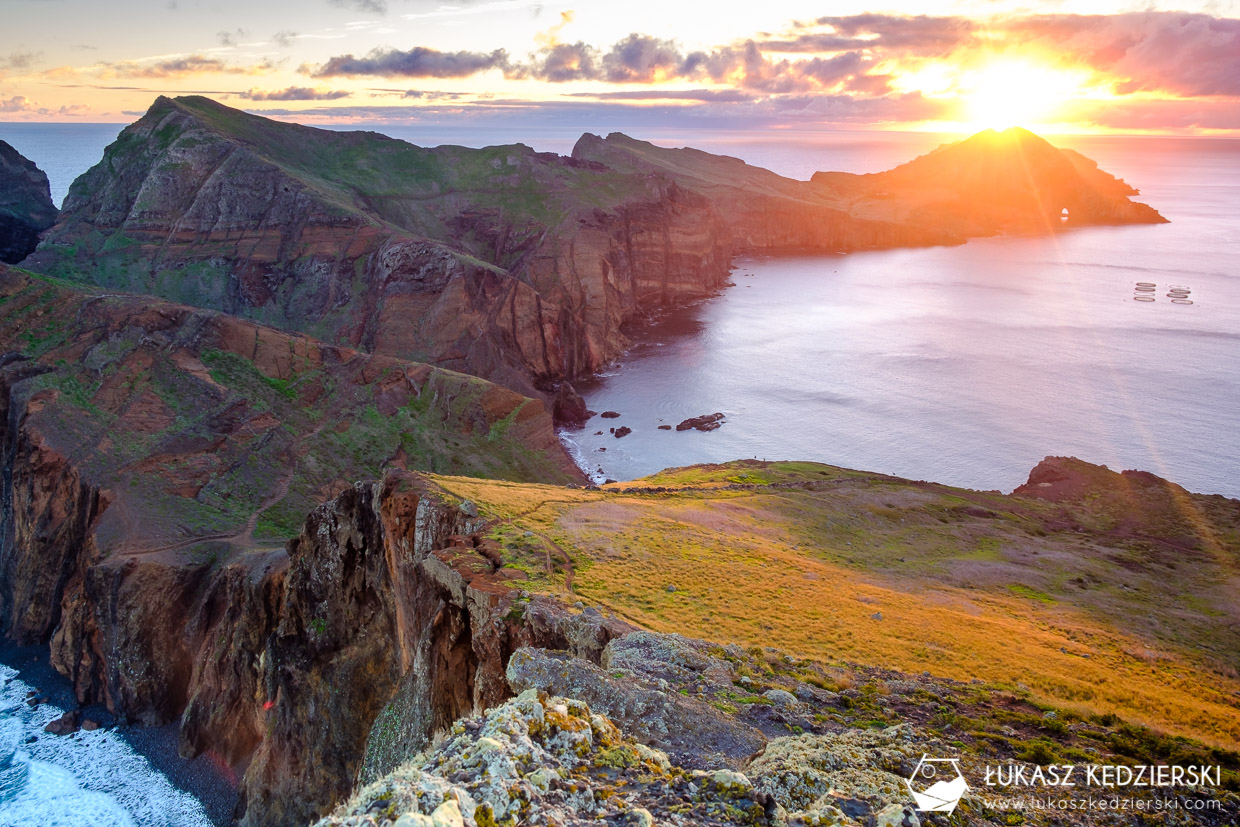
{"type": "Point", "coordinates": [1014, 92]}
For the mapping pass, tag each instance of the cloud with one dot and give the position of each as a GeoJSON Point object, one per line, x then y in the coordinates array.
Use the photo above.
{"type": "Point", "coordinates": [295, 93]}
{"type": "Point", "coordinates": [21, 103]}
{"type": "Point", "coordinates": [284, 38]}
{"type": "Point", "coordinates": [712, 95]}
{"type": "Point", "coordinates": [841, 69]}
{"type": "Point", "coordinates": [1184, 54]}
{"type": "Point", "coordinates": [231, 38]}
{"type": "Point", "coordinates": [369, 6]}
{"type": "Point", "coordinates": [642, 59]}
{"type": "Point", "coordinates": [418, 62]}
{"type": "Point", "coordinates": [17, 103]}
{"type": "Point", "coordinates": [18, 61]}
{"type": "Point", "coordinates": [1174, 52]}
{"type": "Point", "coordinates": [561, 63]}
{"type": "Point", "coordinates": [920, 35]}
{"type": "Point", "coordinates": [184, 65]}
{"type": "Point", "coordinates": [809, 111]}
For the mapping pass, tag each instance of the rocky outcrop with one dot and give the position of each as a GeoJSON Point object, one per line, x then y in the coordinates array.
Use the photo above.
{"type": "Point", "coordinates": [509, 264]}
{"type": "Point", "coordinates": [546, 759]}
{"type": "Point", "coordinates": [569, 408]}
{"type": "Point", "coordinates": [517, 266]}
{"type": "Point", "coordinates": [26, 208]}
{"type": "Point", "coordinates": [990, 183]}
{"type": "Point", "coordinates": [549, 760]}
{"type": "Point", "coordinates": [994, 182]}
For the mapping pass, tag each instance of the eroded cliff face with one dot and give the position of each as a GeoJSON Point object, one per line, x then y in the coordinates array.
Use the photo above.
{"type": "Point", "coordinates": [386, 619]}
{"type": "Point", "coordinates": [26, 208]}
{"type": "Point", "coordinates": [517, 266]}
{"type": "Point", "coordinates": [155, 460]}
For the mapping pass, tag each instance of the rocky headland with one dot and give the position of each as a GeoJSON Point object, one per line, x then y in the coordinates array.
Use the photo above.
{"type": "Point", "coordinates": [26, 208]}
{"type": "Point", "coordinates": [517, 266]}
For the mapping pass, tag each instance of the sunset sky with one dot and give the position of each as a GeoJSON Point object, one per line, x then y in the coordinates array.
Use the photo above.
{"type": "Point", "coordinates": [1060, 66]}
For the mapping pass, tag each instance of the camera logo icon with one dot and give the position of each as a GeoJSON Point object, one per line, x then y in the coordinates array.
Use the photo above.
{"type": "Point", "coordinates": [937, 784]}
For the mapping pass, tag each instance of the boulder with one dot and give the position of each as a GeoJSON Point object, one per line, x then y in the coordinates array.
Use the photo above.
{"type": "Point", "coordinates": [63, 725]}
{"type": "Point", "coordinates": [568, 408]}
{"type": "Point", "coordinates": [692, 732]}
{"type": "Point", "coordinates": [857, 772]}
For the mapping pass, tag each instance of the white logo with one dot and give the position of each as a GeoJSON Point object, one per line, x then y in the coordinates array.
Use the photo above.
{"type": "Point", "coordinates": [946, 784]}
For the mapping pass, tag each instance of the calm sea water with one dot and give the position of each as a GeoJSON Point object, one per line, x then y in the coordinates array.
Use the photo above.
{"type": "Point", "coordinates": [965, 365]}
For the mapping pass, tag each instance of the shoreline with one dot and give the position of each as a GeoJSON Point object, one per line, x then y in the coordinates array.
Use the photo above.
{"type": "Point", "coordinates": [212, 785]}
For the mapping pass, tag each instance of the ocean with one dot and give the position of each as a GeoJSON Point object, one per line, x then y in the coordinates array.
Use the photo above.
{"type": "Point", "coordinates": [88, 778]}
{"type": "Point", "coordinates": [965, 365]}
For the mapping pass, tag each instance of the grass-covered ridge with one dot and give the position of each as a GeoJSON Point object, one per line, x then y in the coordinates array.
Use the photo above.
{"type": "Point", "coordinates": [837, 565]}
{"type": "Point", "coordinates": [206, 427]}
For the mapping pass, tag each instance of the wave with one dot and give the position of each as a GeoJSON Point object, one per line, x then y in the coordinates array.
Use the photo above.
{"type": "Point", "coordinates": [88, 779]}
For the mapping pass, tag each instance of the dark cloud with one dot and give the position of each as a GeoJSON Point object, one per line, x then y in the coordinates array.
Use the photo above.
{"type": "Point", "coordinates": [284, 38]}
{"type": "Point", "coordinates": [561, 63]}
{"type": "Point", "coordinates": [295, 93]}
{"type": "Point", "coordinates": [642, 59]}
{"type": "Point", "coordinates": [418, 62]}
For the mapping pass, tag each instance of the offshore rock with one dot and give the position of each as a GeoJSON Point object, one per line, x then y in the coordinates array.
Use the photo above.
{"type": "Point", "coordinates": [706, 422]}
{"type": "Point", "coordinates": [26, 208]}
{"type": "Point", "coordinates": [569, 408]}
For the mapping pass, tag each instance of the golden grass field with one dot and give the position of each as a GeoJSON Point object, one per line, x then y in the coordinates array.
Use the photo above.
{"type": "Point", "coordinates": [882, 572]}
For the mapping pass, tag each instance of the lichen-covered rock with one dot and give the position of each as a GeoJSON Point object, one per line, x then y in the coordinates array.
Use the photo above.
{"type": "Point", "coordinates": [542, 760]}
{"type": "Point", "coordinates": [673, 658]}
{"type": "Point", "coordinates": [689, 729]}
{"type": "Point", "coordinates": [857, 772]}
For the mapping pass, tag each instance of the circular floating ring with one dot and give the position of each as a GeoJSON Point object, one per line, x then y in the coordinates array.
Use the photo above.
{"type": "Point", "coordinates": [1143, 298]}
{"type": "Point", "coordinates": [1181, 301]}
{"type": "Point", "coordinates": [1144, 289]}
{"type": "Point", "coordinates": [1146, 284]}
{"type": "Point", "coordinates": [1177, 295]}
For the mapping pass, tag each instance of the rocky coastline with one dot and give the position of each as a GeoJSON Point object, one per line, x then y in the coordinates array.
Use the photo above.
{"type": "Point", "coordinates": [209, 520]}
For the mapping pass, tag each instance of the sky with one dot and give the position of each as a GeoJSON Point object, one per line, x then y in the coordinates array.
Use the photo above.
{"type": "Point", "coordinates": [1066, 66]}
